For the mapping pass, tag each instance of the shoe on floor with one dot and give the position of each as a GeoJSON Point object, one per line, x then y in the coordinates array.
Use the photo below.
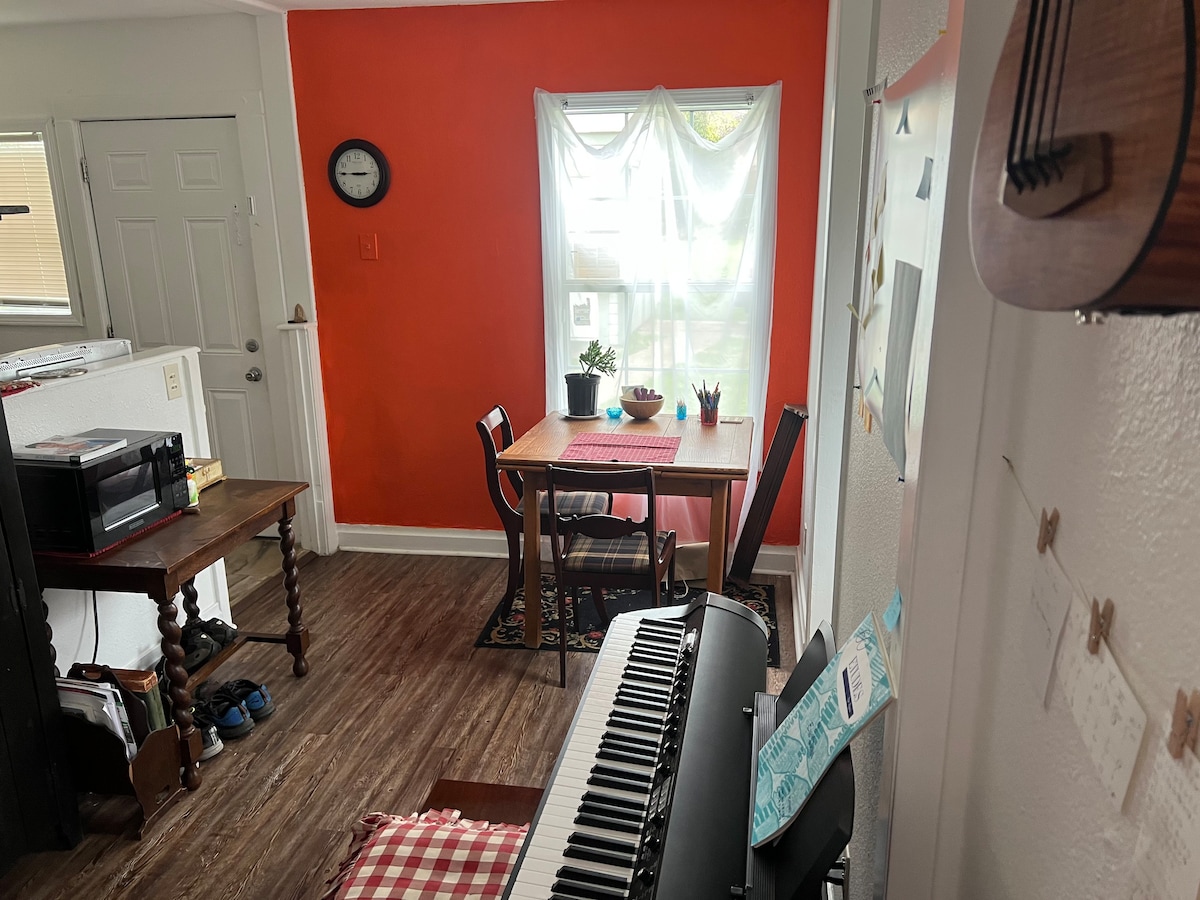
{"type": "Point", "coordinates": [210, 740]}
{"type": "Point", "coordinates": [198, 645]}
{"type": "Point", "coordinates": [231, 718]}
{"type": "Point", "coordinates": [255, 697]}
{"type": "Point", "coordinates": [223, 633]}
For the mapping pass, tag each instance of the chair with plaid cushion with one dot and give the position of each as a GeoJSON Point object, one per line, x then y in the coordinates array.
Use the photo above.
{"type": "Point", "coordinates": [601, 551]}
{"type": "Point", "coordinates": [574, 503]}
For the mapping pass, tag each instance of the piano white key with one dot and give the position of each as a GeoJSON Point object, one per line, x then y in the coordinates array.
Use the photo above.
{"type": "Point", "coordinates": [556, 822]}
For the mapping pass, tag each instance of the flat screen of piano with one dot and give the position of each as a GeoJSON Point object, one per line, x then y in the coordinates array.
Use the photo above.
{"type": "Point", "coordinates": [650, 797]}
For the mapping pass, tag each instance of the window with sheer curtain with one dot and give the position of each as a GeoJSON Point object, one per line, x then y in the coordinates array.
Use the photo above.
{"type": "Point", "coordinates": [33, 277]}
{"type": "Point", "coordinates": [658, 238]}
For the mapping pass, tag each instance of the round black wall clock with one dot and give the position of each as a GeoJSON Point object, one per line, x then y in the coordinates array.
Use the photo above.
{"type": "Point", "coordinates": [359, 172]}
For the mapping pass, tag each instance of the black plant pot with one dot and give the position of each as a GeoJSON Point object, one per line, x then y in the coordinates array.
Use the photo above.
{"type": "Point", "coordinates": [582, 391]}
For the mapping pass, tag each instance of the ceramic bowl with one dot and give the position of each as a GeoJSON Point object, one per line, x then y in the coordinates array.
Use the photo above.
{"type": "Point", "coordinates": [642, 409]}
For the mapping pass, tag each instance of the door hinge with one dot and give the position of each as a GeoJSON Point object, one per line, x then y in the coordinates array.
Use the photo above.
{"type": "Point", "coordinates": [84, 169]}
{"type": "Point", "coordinates": [112, 333]}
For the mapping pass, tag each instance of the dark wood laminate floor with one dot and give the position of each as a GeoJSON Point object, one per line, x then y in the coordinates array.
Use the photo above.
{"type": "Point", "coordinates": [396, 698]}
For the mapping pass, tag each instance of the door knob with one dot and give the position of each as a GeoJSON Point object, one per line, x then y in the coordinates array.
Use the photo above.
{"type": "Point", "coordinates": [255, 374]}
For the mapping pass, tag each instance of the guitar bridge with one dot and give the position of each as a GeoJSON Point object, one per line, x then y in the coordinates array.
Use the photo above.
{"type": "Point", "coordinates": [1055, 180]}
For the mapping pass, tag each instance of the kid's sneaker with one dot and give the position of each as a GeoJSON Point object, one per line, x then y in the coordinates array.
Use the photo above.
{"type": "Point", "coordinates": [230, 717]}
{"type": "Point", "coordinates": [255, 697]}
{"type": "Point", "coordinates": [210, 741]}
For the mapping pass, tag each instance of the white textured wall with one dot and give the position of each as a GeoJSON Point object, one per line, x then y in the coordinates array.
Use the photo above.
{"type": "Point", "coordinates": [1104, 423]}
{"type": "Point", "coordinates": [871, 525]}
{"type": "Point", "coordinates": [873, 494]}
{"type": "Point", "coordinates": [119, 394]}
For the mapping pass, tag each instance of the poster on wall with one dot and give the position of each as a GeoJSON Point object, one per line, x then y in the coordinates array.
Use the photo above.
{"type": "Point", "coordinates": [896, 229]}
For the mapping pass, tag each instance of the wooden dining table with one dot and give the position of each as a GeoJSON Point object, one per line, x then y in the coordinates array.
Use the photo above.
{"type": "Point", "coordinates": [710, 458]}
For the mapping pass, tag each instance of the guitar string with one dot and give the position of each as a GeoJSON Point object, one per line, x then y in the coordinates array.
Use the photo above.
{"type": "Point", "coordinates": [1048, 156]}
{"type": "Point", "coordinates": [1014, 171]}
{"type": "Point", "coordinates": [1062, 69]}
{"type": "Point", "coordinates": [1037, 67]}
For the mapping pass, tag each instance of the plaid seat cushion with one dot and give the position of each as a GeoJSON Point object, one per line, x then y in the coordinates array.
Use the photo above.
{"type": "Point", "coordinates": [431, 856]}
{"type": "Point", "coordinates": [576, 503]}
{"type": "Point", "coordinates": [625, 555]}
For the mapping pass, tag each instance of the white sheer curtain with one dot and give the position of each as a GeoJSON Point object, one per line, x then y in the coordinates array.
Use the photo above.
{"type": "Point", "coordinates": [661, 243]}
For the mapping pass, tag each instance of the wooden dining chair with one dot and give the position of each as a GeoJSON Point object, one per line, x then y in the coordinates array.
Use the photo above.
{"type": "Point", "coordinates": [601, 551]}
{"type": "Point", "coordinates": [509, 510]}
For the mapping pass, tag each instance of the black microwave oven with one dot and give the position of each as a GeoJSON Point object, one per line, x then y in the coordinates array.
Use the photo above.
{"type": "Point", "coordinates": [88, 507]}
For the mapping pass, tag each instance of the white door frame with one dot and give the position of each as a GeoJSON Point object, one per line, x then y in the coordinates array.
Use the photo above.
{"type": "Point", "coordinates": [291, 357]}
{"type": "Point", "coordinates": [845, 144]}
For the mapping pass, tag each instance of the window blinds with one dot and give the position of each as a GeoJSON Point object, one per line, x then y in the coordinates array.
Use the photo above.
{"type": "Point", "coordinates": [31, 259]}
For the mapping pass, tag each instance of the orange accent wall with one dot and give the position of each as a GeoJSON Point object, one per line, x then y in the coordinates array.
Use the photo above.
{"type": "Point", "coordinates": [420, 343]}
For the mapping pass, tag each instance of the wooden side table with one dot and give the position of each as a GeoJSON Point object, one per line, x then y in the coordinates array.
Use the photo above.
{"type": "Point", "coordinates": [166, 560]}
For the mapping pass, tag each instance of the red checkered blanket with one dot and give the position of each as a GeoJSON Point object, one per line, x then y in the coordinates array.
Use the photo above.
{"type": "Point", "coordinates": [607, 447]}
{"type": "Point", "coordinates": [431, 856]}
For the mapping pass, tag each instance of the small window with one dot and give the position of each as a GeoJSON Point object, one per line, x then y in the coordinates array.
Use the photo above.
{"type": "Point", "coordinates": [33, 275]}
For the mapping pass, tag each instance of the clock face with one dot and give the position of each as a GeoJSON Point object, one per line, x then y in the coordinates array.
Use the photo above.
{"type": "Point", "coordinates": [358, 172]}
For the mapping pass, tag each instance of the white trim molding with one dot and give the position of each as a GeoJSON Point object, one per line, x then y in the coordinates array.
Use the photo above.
{"type": "Point", "coordinates": [771, 560]}
{"type": "Point", "coordinates": [309, 445]}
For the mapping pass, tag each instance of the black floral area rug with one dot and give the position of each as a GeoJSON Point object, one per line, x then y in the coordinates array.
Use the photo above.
{"type": "Point", "coordinates": [586, 635]}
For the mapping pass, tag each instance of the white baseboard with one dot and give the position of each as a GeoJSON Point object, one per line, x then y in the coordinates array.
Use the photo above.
{"type": "Point", "coordinates": [469, 542]}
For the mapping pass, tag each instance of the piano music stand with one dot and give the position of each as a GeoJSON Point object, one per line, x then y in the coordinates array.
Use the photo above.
{"type": "Point", "coordinates": [794, 867]}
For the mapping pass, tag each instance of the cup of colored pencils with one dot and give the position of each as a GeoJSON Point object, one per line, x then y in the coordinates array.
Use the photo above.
{"type": "Point", "coordinates": [709, 401]}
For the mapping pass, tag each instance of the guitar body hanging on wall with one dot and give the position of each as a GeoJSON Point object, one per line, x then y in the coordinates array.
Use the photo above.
{"type": "Point", "coordinates": [1086, 189]}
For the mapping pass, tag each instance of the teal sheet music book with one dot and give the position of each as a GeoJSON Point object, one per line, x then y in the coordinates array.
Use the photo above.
{"type": "Point", "coordinates": [849, 693]}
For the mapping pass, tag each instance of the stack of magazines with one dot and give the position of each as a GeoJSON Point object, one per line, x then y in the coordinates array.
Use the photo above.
{"type": "Point", "coordinates": [100, 704]}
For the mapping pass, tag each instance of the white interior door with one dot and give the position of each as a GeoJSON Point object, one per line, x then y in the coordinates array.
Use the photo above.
{"type": "Point", "coordinates": [170, 207]}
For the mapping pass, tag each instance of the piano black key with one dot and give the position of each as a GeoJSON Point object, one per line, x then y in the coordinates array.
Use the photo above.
{"type": "Point", "coordinates": [613, 800]}
{"type": "Point", "coordinates": [618, 756]}
{"type": "Point", "coordinates": [609, 812]}
{"type": "Point", "coordinates": [645, 692]}
{"type": "Point", "coordinates": [584, 839]}
{"type": "Point", "coordinates": [654, 640]}
{"type": "Point", "coordinates": [646, 755]}
{"type": "Point", "coordinates": [646, 727]}
{"type": "Point", "coordinates": [600, 856]}
{"type": "Point", "coordinates": [608, 823]}
{"type": "Point", "coordinates": [591, 876]}
{"type": "Point", "coordinates": [658, 628]}
{"type": "Point", "coordinates": [631, 719]}
{"type": "Point", "coordinates": [632, 740]}
{"type": "Point", "coordinates": [653, 656]}
{"type": "Point", "coordinates": [619, 784]}
{"type": "Point", "coordinates": [616, 772]}
{"type": "Point", "coordinates": [647, 677]}
{"type": "Point", "coordinates": [569, 890]}
{"type": "Point", "coordinates": [624, 693]}
{"type": "Point", "coordinates": [639, 703]}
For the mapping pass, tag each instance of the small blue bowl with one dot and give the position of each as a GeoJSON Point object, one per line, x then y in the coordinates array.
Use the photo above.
{"type": "Point", "coordinates": [614, 412]}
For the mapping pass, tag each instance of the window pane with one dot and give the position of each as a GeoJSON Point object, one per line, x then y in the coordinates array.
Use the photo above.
{"type": "Point", "coordinates": [33, 279]}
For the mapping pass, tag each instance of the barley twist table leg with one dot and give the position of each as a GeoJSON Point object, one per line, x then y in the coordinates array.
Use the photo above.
{"type": "Point", "coordinates": [181, 699]}
{"type": "Point", "coordinates": [191, 598]}
{"type": "Point", "coordinates": [297, 634]}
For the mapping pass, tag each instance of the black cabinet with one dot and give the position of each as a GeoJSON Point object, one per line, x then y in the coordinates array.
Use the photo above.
{"type": "Point", "coordinates": [37, 800]}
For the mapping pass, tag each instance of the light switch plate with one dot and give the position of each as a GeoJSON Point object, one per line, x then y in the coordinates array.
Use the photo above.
{"type": "Point", "coordinates": [174, 384]}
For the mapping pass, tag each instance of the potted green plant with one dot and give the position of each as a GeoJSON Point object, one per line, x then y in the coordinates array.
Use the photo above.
{"type": "Point", "coordinates": [584, 387]}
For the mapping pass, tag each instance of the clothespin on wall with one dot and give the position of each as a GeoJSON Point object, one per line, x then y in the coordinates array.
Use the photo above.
{"type": "Point", "coordinates": [1185, 724]}
{"type": "Point", "coordinates": [874, 94]}
{"type": "Point", "coordinates": [1047, 529]}
{"type": "Point", "coordinates": [1101, 626]}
